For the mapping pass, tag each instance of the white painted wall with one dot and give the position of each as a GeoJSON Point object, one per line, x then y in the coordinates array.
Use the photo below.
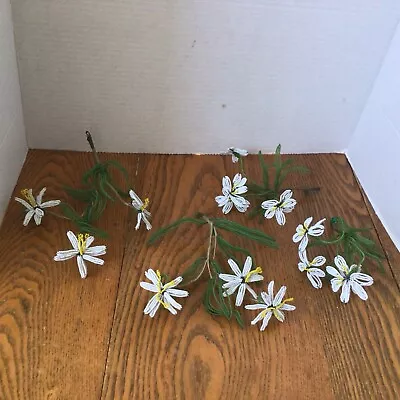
{"type": "Point", "coordinates": [13, 146]}
{"type": "Point", "coordinates": [199, 76]}
{"type": "Point", "coordinates": [374, 150]}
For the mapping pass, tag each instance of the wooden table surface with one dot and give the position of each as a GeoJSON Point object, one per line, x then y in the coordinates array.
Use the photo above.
{"type": "Point", "coordinates": [62, 337]}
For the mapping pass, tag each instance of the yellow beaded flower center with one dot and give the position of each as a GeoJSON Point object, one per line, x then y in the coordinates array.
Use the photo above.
{"type": "Point", "coordinates": [82, 243]}
{"type": "Point", "coordinates": [29, 197]}
{"type": "Point", "coordinates": [258, 270]}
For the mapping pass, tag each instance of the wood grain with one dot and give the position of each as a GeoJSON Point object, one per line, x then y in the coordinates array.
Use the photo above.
{"type": "Point", "coordinates": [54, 326]}
{"type": "Point", "coordinates": [64, 338]}
{"type": "Point", "coordinates": [324, 350]}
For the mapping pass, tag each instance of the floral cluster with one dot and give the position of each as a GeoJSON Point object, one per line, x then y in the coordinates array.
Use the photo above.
{"type": "Point", "coordinates": [81, 243]}
{"type": "Point", "coordinates": [240, 282]}
{"type": "Point", "coordinates": [237, 283]}
{"type": "Point", "coordinates": [271, 201]}
{"type": "Point", "coordinates": [343, 276]}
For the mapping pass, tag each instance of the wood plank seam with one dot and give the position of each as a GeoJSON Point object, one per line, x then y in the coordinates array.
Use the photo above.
{"type": "Point", "coordinates": [366, 202]}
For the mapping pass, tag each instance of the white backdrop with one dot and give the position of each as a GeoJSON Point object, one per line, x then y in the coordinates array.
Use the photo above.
{"type": "Point", "coordinates": [198, 76]}
{"type": "Point", "coordinates": [374, 150]}
{"type": "Point", "coordinates": [12, 132]}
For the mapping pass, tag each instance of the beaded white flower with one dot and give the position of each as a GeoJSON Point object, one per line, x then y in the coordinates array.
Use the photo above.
{"type": "Point", "coordinates": [164, 293]}
{"type": "Point", "coordinates": [306, 229]}
{"type": "Point", "coordinates": [82, 251]}
{"type": "Point", "coordinates": [240, 280]}
{"type": "Point", "coordinates": [314, 274]}
{"type": "Point", "coordinates": [348, 278]}
{"type": "Point", "coordinates": [141, 207]}
{"type": "Point", "coordinates": [237, 153]}
{"type": "Point", "coordinates": [35, 206]}
{"type": "Point", "coordinates": [231, 194]}
{"type": "Point", "coordinates": [271, 306]}
{"type": "Point", "coordinates": [278, 208]}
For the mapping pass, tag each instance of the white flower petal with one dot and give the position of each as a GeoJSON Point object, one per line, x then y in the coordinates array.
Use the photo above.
{"type": "Point", "coordinates": [241, 190]}
{"type": "Point", "coordinates": [93, 260]}
{"type": "Point", "coordinates": [259, 317]}
{"type": "Point", "coordinates": [302, 266]}
{"type": "Point", "coordinates": [359, 291]}
{"type": "Point", "coordinates": [341, 264]}
{"type": "Point", "coordinates": [298, 235]}
{"type": "Point", "coordinates": [226, 183]}
{"type": "Point", "coordinates": [38, 216]}
{"type": "Point", "coordinates": [221, 200]}
{"type": "Point", "coordinates": [279, 296]}
{"type": "Point", "coordinates": [318, 261]}
{"type": "Point", "coordinates": [270, 213]}
{"type": "Point", "coordinates": [288, 307]}
{"type": "Point", "coordinates": [65, 255]}
{"type": "Point", "coordinates": [255, 278]}
{"type": "Point", "coordinates": [336, 284]}
{"type": "Point", "coordinates": [231, 289]}
{"type": "Point", "coordinates": [269, 204]}
{"type": "Point", "coordinates": [286, 195]}
{"type": "Point", "coordinates": [333, 272]}
{"type": "Point", "coordinates": [303, 257]}
{"type": "Point", "coordinates": [279, 315]}
{"type": "Point", "coordinates": [170, 300]}
{"type": "Point", "coordinates": [255, 306]}
{"type": "Point", "coordinates": [229, 278]}
{"type": "Point", "coordinates": [280, 217]}
{"type": "Point", "coordinates": [234, 267]}
{"type": "Point", "coordinates": [28, 216]}
{"type": "Point", "coordinates": [151, 276]}
{"type": "Point", "coordinates": [345, 295]}
{"type": "Point", "coordinates": [50, 203]}
{"type": "Point", "coordinates": [96, 250]}
{"type": "Point", "coordinates": [146, 221]}
{"type": "Point", "coordinates": [153, 311]}
{"type": "Point", "coordinates": [139, 219]}
{"type": "Point", "coordinates": [24, 203]}
{"type": "Point", "coordinates": [237, 180]}
{"type": "Point", "coordinates": [247, 266]}
{"type": "Point", "coordinates": [317, 229]}
{"type": "Point", "coordinates": [251, 291]}
{"type": "Point", "coordinates": [265, 321]}
{"type": "Point", "coordinates": [303, 243]}
{"type": "Point", "coordinates": [73, 239]}
{"type": "Point", "coordinates": [227, 207]}
{"type": "Point", "coordinates": [271, 290]}
{"type": "Point", "coordinates": [39, 197]}
{"type": "Point", "coordinates": [152, 306]}
{"type": "Point", "coordinates": [177, 292]}
{"type": "Point", "coordinates": [82, 267]}
{"type": "Point", "coordinates": [240, 203]}
{"type": "Point", "coordinates": [240, 295]}
{"type": "Point", "coordinates": [314, 279]}
{"type": "Point", "coordinates": [149, 286]}
{"type": "Point", "coordinates": [89, 241]}
{"type": "Point", "coordinates": [307, 222]}
{"type": "Point", "coordinates": [362, 279]}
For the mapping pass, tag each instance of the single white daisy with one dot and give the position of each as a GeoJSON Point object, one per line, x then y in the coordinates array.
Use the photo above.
{"type": "Point", "coordinates": [164, 293]}
{"type": "Point", "coordinates": [347, 278]}
{"type": "Point", "coordinates": [34, 206]}
{"type": "Point", "coordinates": [304, 230]}
{"type": "Point", "coordinates": [278, 208]}
{"type": "Point", "coordinates": [314, 274]}
{"type": "Point", "coordinates": [141, 208]}
{"type": "Point", "coordinates": [82, 251]}
{"type": "Point", "coordinates": [237, 153]}
{"type": "Point", "coordinates": [240, 280]}
{"type": "Point", "coordinates": [271, 306]}
{"type": "Point", "coordinates": [231, 194]}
